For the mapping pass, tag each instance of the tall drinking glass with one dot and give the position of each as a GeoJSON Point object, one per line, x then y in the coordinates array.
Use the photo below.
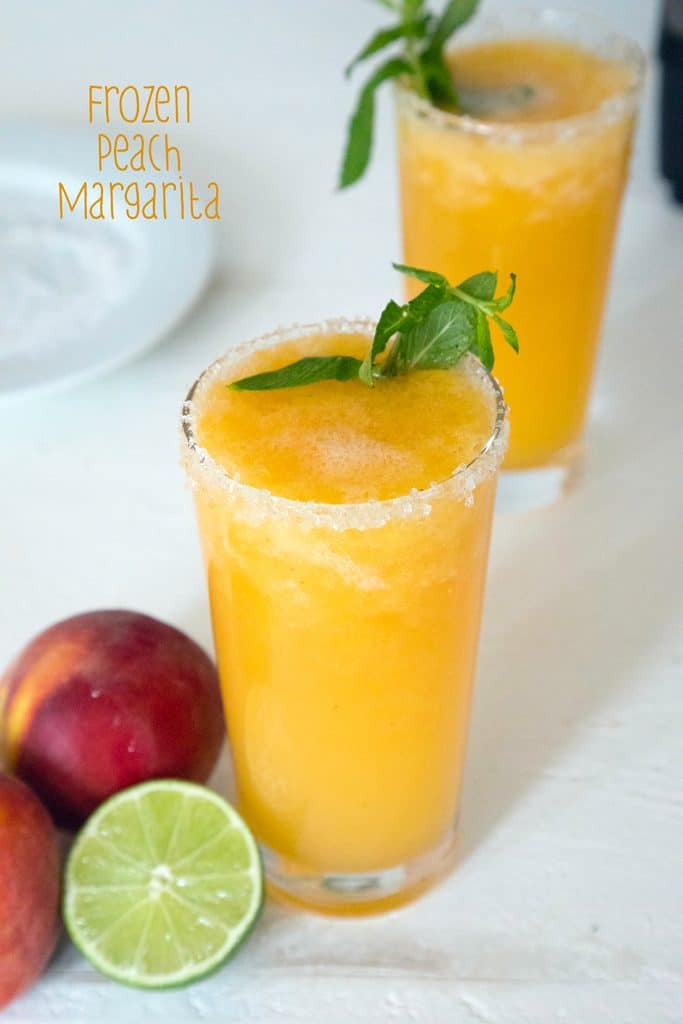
{"type": "Point", "coordinates": [346, 631]}
{"type": "Point", "coordinates": [533, 184]}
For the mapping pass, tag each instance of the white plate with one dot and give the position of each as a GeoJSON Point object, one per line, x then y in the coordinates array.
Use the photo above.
{"type": "Point", "coordinates": [79, 297]}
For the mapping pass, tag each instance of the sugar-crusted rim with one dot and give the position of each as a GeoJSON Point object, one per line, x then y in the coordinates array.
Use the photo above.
{"type": "Point", "coordinates": [203, 470]}
{"type": "Point", "coordinates": [613, 46]}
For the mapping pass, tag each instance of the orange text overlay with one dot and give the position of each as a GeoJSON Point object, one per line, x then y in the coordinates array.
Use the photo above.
{"type": "Point", "coordinates": [136, 153]}
{"type": "Point", "coordinates": [146, 104]}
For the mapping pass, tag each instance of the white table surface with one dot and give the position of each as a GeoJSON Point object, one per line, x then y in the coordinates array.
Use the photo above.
{"type": "Point", "coordinates": [567, 903]}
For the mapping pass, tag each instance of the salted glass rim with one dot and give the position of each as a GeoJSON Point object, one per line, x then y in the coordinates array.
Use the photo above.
{"type": "Point", "coordinates": [611, 109]}
{"type": "Point", "coordinates": [203, 470]}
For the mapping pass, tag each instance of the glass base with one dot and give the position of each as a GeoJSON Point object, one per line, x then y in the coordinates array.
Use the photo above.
{"type": "Point", "coordinates": [357, 893]}
{"type": "Point", "coordinates": [522, 490]}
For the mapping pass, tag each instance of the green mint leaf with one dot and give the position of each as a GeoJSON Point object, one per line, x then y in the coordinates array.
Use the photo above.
{"type": "Point", "coordinates": [427, 276]}
{"type": "Point", "coordinates": [438, 79]}
{"type": "Point", "coordinates": [439, 341]}
{"type": "Point", "coordinates": [508, 331]}
{"type": "Point", "coordinates": [359, 143]}
{"type": "Point", "coordinates": [423, 303]}
{"type": "Point", "coordinates": [308, 370]}
{"type": "Point", "coordinates": [481, 286]}
{"type": "Point", "coordinates": [390, 321]}
{"type": "Point", "coordinates": [506, 299]}
{"type": "Point", "coordinates": [483, 348]}
{"type": "Point", "coordinates": [396, 318]}
{"type": "Point", "coordinates": [365, 371]}
{"type": "Point", "coordinates": [455, 15]}
{"type": "Point", "coordinates": [411, 315]}
{"type": "Point", "coordinates": [415, 29]}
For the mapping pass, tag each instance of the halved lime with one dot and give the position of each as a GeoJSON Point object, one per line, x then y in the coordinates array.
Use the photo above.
{"type": "Point", "coordinates": [163, 883]}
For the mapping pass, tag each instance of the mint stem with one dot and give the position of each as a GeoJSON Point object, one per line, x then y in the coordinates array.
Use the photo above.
{"type": "Point", "coordinates": [485, 307]}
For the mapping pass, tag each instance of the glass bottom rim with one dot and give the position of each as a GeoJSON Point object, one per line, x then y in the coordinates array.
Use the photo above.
{"type": "Point", "coordinates": [346, 893]}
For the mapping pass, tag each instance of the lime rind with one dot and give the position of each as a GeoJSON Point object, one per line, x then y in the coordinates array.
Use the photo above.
{"type": "Point", "coordinates": [170, 868]}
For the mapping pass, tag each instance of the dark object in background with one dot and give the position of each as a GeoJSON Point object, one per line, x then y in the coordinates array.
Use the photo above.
{"type": "Point", "coordinates": [671, 111]}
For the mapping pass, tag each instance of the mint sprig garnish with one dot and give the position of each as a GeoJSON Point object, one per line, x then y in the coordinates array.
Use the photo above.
{"type": "Point", "coordinates": [420, 61]}
{"type": "Point", "coordinates": [431, 332]}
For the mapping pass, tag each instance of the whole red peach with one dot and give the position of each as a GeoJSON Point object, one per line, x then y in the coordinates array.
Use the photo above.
{"type": "Point", "coordinates": [29, 887]}
{"type": "Point", "coordinates": [103, 700]}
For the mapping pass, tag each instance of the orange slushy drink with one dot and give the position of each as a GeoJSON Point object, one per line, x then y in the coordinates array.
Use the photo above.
{"type": "Point", "coordinates": [345, 532]}
{"type": "Point", "coordinates": [532, 178]}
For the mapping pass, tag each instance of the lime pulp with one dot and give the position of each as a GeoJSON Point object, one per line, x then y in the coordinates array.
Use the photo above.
{"type": "Point", "coordinates": [162, 884]}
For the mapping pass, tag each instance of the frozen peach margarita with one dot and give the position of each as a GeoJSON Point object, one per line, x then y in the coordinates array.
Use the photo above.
{"type": "Point", "coordinates": [514, 141]}
{"type": "Point", "coordinates": [345, 531]}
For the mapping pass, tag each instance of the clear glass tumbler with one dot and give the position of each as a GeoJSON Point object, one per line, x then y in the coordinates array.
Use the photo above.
{"type": "Point", "coordinates": [540, 198]}
{"type": "Point", "coordinates": [346, 639]}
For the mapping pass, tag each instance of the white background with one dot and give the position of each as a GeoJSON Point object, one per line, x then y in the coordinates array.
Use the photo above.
{"type": "Point", "coordinates": [566, 905]}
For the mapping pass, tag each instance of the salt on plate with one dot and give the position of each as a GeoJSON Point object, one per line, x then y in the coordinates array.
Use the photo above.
{"type": "Point", "coordinates": [58, 278]}
{"type": "Point", "coordinates": [79, 298]}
